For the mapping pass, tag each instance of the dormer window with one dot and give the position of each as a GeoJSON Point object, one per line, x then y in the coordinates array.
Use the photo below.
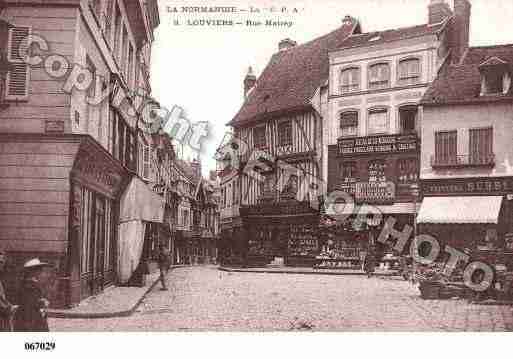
{"type": "Point", "coordinates": [495, 77]}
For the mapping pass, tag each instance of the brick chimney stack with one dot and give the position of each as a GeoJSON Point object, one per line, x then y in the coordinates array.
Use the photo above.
{"type": "Point", "coordinates": [460, 31]}
{"type": "Point", "coordinates": [439, 10]}
{"type": "Point", "coordinates": [249, 81]}
{"type": "Point", "coordinates": [286, 44]}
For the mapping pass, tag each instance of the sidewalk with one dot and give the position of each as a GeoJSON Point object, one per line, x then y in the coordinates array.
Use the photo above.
{"type": "Point", "coordinates": [295, 270]}
{"type": "Point", "coordinates": [113, 302]}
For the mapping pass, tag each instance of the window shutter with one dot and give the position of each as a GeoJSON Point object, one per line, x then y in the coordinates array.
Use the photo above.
{"type": "Point", "coordinates": [146, 162]}
{"type": "Point", "coordinates": [19, 74]}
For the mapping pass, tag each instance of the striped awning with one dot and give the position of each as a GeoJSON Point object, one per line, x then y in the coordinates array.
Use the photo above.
{"type": "Point", "coordinates": [460, 210]}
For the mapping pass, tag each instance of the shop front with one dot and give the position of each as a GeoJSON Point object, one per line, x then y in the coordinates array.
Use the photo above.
{"type": "Point", "coordinates": [283, 232]}
{"type": "Point", "coordinates": [95, 186]}
{"type": "Point", "coordinates": [380, 174]}
{"type": "Point", "coordinates": [471, 214]}
{"type": "Point", "coordinates": [64, 198]}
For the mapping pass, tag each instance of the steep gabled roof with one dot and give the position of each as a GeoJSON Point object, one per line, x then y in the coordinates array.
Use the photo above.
{"type": "Point", "coordinates": [461, 83]}
{"type": "Point", "coordinates": [292, 77]}
{"type": "Point", "coordinates": [380, 37]}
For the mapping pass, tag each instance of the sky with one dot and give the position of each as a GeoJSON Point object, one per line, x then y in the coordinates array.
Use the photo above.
{"type": "Point", "coordinates": [201, 68]}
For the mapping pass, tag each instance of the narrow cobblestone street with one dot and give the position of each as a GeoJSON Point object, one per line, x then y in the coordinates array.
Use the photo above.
{"type": "Point", "coordinates": [203, 298]}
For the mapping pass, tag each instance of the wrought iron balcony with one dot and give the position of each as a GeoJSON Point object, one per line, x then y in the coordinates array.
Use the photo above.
{"type": "Point", "coordinates": [473, 160]}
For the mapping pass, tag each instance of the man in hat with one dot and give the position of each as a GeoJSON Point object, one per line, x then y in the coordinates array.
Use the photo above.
{"type": "Point", "coordinates": [32, 313]}
{"type": "Point", "coordinates": [6, 308]}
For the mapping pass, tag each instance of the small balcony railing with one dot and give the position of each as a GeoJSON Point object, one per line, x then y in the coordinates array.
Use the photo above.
{"type": "Point", "coordinates": [473, 160]}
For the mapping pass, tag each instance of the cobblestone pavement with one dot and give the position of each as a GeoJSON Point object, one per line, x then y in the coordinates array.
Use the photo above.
{"type": "Point", "coordinates": [203, 298]}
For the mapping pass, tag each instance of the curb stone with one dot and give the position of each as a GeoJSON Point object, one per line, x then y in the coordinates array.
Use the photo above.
{"type": "Point", "coordinates": [116, 314]}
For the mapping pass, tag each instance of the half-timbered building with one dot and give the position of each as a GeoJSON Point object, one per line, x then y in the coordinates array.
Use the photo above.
{"type": "Point", "coordinates": [272, 169]}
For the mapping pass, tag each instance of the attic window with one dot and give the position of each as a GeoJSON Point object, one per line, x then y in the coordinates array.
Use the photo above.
{"type": "Point", "coordinates": [495, 77]}
{"type": "Point", "coordinates": [494, 82]}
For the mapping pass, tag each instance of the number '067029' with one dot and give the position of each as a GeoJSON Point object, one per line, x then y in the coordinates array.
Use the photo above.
{"type": "Point", "coordinates": [48, 346]}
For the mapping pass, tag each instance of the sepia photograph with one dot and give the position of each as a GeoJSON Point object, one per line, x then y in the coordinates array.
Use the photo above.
{"type": "Point", "coordinates": [279, 166]}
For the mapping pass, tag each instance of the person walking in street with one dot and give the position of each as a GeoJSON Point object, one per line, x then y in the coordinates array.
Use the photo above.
{"type": "Point", "coordinates": [6, 308]}
{"type": "Point", "coordinates": [32, 313]}
{"type": "Point", "coordinates": [163, 261]}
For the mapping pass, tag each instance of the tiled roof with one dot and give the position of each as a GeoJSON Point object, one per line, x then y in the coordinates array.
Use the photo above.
{"type": "Point", "coordinates": [291, 78]}
{"type": "Point", "coordinates": [380, 37]}
{"type": "Point", "coordinates": [461, 83]}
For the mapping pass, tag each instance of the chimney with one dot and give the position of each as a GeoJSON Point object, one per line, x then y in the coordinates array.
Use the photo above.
{"type": "Point", "coordinates": [196, 167]}
{"type": "Point", "coordinates": [352, 25]}
{"type": "Point", "coordinates": [286, 44]}
{"type": "Point", "coordinates": [439, 10]}
{"type": "Point", "coordinates": [249, 81]}
{"type": "Point", "coordinates": [460, 29]}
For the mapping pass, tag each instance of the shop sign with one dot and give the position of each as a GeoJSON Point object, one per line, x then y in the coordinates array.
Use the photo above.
{"type": "Point", "coordinates": [468, 186]}
{"type": "Point", "coordinates": [286, 208]}
{"type": "Point", "coordinates": [375, 192]}
{"type": "Point", "coordinates": [378, 144]}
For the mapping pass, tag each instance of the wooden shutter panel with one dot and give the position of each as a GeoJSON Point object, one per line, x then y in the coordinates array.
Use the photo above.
{"type": "Point", "coordinates": [18, 77]}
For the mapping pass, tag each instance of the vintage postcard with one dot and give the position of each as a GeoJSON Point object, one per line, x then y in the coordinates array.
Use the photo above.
{"type": "Point", "coordinates": [266, 166]}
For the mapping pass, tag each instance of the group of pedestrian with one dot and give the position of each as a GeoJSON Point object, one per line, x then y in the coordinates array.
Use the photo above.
{"type": "Point", "coordinates": [29, 313]}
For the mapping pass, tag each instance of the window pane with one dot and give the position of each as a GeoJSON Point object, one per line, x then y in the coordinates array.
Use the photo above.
{"type": "Point", "coordinates": [409, 72]}
{"type": "Point", "coordinates": [379, 76]}
{"type": "Point", "coordinates": [349, 123]}
{"type": "Point", "coordinates": [378, 121]}
{"type": "Point", "coordinates": [350, 80]}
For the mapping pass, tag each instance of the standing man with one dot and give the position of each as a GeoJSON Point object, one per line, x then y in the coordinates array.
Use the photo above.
{"type": "Point", "coordinates": [163, 261]}
{"type": "Point", "coordinates": [32, 314]}
{"type": "Point", "coordinates": [6, 309]}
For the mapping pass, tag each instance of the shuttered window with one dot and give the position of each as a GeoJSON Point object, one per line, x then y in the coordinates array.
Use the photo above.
{"type": "Point", "coordinates": [446, 147]}
{"type": "Point", "coordinates": [481, 145]}
{"type": "Point", "coordinates": [379, 76]}
{"type": "Point", "coordinates": [19, 72]}
{"type": "Point", "coordinates": [409, 72]}
{"type": "Point", "coordinates": [146, 162]}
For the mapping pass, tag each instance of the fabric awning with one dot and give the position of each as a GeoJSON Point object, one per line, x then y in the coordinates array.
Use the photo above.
{"type": "Point", "coordinates": [138, 205]}
{"type": "Point", "coordinates": [139, 202]}
{"type": "Point", "coordinates": [460, 210]}
{"type": "Point", "coordinates": [342, 211]}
